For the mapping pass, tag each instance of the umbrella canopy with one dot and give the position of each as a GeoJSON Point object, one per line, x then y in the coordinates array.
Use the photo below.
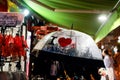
{"type": "Point", "coordinates": [71, 43]}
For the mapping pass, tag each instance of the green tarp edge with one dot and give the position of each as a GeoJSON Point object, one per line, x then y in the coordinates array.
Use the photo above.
{"type": "Point", "coordinates": [112, 23]}
{"type": "Point", "coordinates": [65, 20]}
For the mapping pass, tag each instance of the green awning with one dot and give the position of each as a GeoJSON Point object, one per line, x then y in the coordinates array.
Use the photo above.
{"type": "Point", "coordinates": [112, 23]}
{"type": "Point", "coordinates": [83, 14]}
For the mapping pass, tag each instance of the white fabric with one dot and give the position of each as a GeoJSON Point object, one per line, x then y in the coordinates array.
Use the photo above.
{"type": "Point", "coordinates": [103, 78]}
{"type": "Point", "coordinates": [109, 67]}
{"type": "Point", "coordinates": [111, 74]}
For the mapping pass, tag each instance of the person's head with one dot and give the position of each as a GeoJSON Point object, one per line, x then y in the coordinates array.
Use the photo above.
{"type": "Point", "coordinates": [102, 71]}
{"type": "Point", "coordinates": [105, 52]}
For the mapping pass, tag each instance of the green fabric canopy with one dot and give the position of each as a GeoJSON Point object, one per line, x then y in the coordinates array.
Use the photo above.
{"type": "Point", "coordinates": [83, 14]}
{"type": "Point", "coordinates": [112, 23]}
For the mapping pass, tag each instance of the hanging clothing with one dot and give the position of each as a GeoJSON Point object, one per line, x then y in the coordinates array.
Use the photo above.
{"type": "Point", "coordinates": [20, 45]}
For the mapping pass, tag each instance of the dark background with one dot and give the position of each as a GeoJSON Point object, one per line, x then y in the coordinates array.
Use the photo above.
{"type": "Point", "coordinates": [72, 65]}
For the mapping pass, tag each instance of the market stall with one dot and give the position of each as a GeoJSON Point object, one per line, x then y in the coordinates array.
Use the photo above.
{"type": "Point", "coordinates": [13, 46]}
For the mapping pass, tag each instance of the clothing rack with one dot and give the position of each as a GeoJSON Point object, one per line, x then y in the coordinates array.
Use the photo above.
{"type": "Point", "coordinates": [7, 30]}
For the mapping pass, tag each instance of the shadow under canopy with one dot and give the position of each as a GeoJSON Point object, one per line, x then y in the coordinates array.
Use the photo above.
{"type": "Point", "coordinates": [72, 65]}
{"type": "Point", "coordinates": [76, 53]}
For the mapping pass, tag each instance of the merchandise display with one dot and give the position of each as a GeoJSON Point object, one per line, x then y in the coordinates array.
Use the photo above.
{"type": "Point", "coordinates": [59, 39]}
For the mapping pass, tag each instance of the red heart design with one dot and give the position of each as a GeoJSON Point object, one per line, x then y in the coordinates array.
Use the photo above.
{"type": "Point", "coordinates": [64, 41]}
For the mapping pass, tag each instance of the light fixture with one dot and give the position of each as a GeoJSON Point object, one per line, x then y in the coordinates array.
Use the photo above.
{"type": "Point", "coordinates": [102, 46]}
{"type": "Point", "coordinates": [115, 49]}
{"type": "Point", "coordinates": [26, 12]}
{"type": "Point", "coordinates": [119, 37]}
{"type": "Point", "coordinates": [102, 18]}
{"type": "Point", "coordinates": [118, 40]}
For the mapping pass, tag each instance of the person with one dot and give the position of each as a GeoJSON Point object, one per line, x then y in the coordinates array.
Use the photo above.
{"type": "Point", "coordinates": [108, 62]}
{"type": "Point", "coordinates": [103, 72]}
{"type": "Point", "coordinates": [54, 70]}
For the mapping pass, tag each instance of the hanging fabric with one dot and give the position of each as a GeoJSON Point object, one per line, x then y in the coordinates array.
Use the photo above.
{"type": "Point", "coordinates": [3, 6]}
{"type": "Point", "coordinates": [8, 47]}
{"type": "Point", "coordinates": [20, 45]}
{"type": "Point", "coordinates": [1, 41]}
{"type": "Point", "coordinates": [12, 46]}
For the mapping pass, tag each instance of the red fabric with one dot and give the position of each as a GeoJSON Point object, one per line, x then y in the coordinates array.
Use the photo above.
{"type": "Point", "coordinates": [1, 43]}
{"type": "Point", "coordinates": [9, 40]}
{"type": "Point", "coordinates": [35, 28]}
{"type": "Point", "coordinates": [52, 28]}
{"type": "Point", "coordinates": [13, 46]}
{"type": "Point", "coordinates": [64, 41]}
{"type": "Point", "coordinates": [1, 38]}
{"type": "Point", "coordinates": [24, 42]}
{"type": "Point", "coordinates": [20, 45]}
{"type": "Point", "coordinates": [8, 48]}
{"type": "Point", "coordinates": [43, 28]}
{"type": "Point", "coordinates": [3, 6]}
{"type": "Point", "coordinates": [37, 32]}
{"type": "Point", "coordinates": [18, 41]}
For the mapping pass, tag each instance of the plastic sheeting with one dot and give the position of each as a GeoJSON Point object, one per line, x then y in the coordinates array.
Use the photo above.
{"type": "Point", "coordinates": [81, 45]}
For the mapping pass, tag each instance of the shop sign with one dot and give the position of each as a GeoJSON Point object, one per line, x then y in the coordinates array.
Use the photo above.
{"type": "Point", "coordinates": [10, 19]}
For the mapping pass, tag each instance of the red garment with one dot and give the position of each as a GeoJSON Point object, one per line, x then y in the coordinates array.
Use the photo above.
{"type": "Point", "coordinates": [1, 38]}
{"type": "Point", "coordinates": [20, 45]}
{"type": "Point", "coordinates": [3, 6]}
{"type": "Point", "coordinates": [13, 46]}
{"type": "Point", "coordinates": [18, 41]}
{"type": "Point", "coordinates": [9, 40]}
{"type": "Point", "coordinates": [1, 42]}
{"type": "Point", "coordinates": [8, 48]}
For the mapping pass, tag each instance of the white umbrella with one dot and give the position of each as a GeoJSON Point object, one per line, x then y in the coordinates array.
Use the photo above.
{"type": "Point", "coordinates": [71, 43]}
